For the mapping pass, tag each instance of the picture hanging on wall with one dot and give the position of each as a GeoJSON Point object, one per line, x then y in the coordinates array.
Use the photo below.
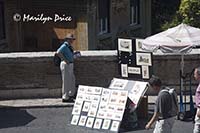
{"type": "Point", "coordinates": [145, 72]}
{"type": "Point", "coordinates": [143, 59]}
{"type": "Point", "coordinates": [138, 43]}
{"type": "Point", "coordinates": [124, 70]}
{"type": "Point", "coordinates": [125, 45]}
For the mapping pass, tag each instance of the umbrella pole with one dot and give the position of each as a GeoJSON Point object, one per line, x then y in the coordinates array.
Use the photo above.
{"type": "Point", "coordinates": [181, 83]}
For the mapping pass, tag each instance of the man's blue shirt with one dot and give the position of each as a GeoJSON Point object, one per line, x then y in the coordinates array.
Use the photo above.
{"type": "Point", "coordinates": [65, 50]}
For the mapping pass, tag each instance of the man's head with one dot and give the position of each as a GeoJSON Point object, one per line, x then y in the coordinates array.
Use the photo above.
{"type": "Point", "coordinates": [197, 73]}
{"type": "Point", "coordinates": [155, 83]}
{"type": "Point", "coordinates": [70, 38]}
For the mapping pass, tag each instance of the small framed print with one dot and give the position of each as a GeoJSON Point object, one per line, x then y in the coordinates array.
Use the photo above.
{"type": "Point", "coordinates": [90, 122]}
{"type": "Point", "coordinates": [111, 108]}
{"type": "Point", "coordinates": [106, 124]}
{"type": "Point", "coordinates": [92, 112]}
{"type": "Point", "coordinates": [145, 72]}
{"type": "Point", "coordinates": [101, 114]}
{"type": "Point", "coordinates": [80, 97]}
{"type": "Point", "coordinates": [118, 84]}
{"type": "Point", "coordinates": [95, 98]}
{"type": "Point", "coordinates": [119, 109]}
{"type": "Point", "coordinates": [138, 43]}
{"type": "Point", "coordinates": [134, 70]}
{"type": "Point", "coordinates": [97, 90]}
{"type": "Point", "coordinates": [82, 120]}
{"type": "Point", "coordinates": [75, 119]}
{"type": "Point", "coordinates": [76, 110]}
{"type": "Point", "coordinates": [117, 116]}
{"type": "Point", "coordinates": [94, 106]}
{"type": "Point", "coordinates": [78, 104]}
{"type": "Point", "coordinates": [106, 92]}
{"type": "Point", "coordinates": [104, 99]}
{"type": "Point", "coordinates": [124, 70]}
{"type": "Point", "coordinates": [86, 107]}
{"type": "Point", "coordinates": [115, 126]}
{"type": "Point", "coordinates": [143, 59]}
{"type": "Point", "coordinates": [97, 123]}
{"type": "Point", "coordinates": [125, 45]}
{"type": "Point", "coordinates": [109, 115]}
{"type": "Point", "coordinates": [124, 94]}
{"type": "Point", "coordinates": [82, 89]}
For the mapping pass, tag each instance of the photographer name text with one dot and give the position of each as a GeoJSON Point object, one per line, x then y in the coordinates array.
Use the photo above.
{"type": "Point", "coordinates": [42, 18]}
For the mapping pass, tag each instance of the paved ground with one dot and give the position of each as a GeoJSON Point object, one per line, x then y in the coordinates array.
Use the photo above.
{"type": "Point", "coordinates": [53, 116]}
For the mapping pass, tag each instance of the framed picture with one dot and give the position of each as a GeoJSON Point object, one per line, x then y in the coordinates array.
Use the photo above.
{"type": "Point", "coordinates": [82, 89]}
{"type": "Point", "coordinates": [97, 124]}
{"type": "Point", "coordinates": [143, 59]}
{"type": "Point", "coordinates": [82, 120]}
{"type": "Point", "coordinates": [115, 126]}
{"type": "Point", "coordinates": [75, 119]}
{"type": "Point", "coordinates": [134, 70]}
{"type": "Point", "coordinates": [92, 112]}
{"type": "Point", "coordinates": [118, 116]}
{"type": "Point", "coordinates": [124, 70]}
{"type": "Point", "coordinates": [145, 72]}
{"type": "Point", "coordinates": [106, 124]}
{"type": "Point", "coordinates": [86, 107]}
{"type": "Point", "coordinates": [125, 45]}
{"type": "Point", "coordinates": [94, 105]}
{"type": "Point", "coordinates": [118, 84]}
{"type": "Point", "coordinates": [106, 92]}
{"type": "Point", "coordinates": [137, 91]}
{"type": "Point", "coordinates": [90, 122]}
{"type": "Point", "coordinates": [101, 114]}
{"type": "Point", "coordinates": [76, 110]}
{"type": "Point", "coordinates": [138, 43]}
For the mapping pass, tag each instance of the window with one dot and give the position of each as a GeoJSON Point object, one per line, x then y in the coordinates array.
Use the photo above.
{"type": "Point", "coordinates": [134, 12]}
{"type": "Point", "coordinates": [104, 16]}
{"type": "Point", "coordinates": [2, 23]}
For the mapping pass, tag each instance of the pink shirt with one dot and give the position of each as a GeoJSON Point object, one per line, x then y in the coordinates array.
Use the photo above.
{"type": "Point", "coordinates": [197, 96]}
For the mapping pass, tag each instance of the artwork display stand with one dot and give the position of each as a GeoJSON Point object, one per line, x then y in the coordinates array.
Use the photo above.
{"type": "Point", "coordinates": [103, 108]}
{"type": "Point", "coordinates": [133, 62]}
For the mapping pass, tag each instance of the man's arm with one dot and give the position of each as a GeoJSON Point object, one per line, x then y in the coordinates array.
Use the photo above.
{"type": "Point", "coordinates": [153, 119]}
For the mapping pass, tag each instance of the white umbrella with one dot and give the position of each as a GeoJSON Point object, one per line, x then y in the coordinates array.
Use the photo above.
{"type": "Point", "coordinates": [179, 40]}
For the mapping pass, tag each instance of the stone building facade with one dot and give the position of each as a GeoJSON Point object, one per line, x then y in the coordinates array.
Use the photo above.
{"type": "Point", "coordinates": [96, 23]}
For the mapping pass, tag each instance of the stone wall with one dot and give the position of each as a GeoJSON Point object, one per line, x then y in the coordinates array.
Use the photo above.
{"type": "Point", "coordinates": [33, 74]}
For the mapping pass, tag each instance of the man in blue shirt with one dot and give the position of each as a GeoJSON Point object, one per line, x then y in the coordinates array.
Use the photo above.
{"type": "Point", "coordinates": [66, 53]}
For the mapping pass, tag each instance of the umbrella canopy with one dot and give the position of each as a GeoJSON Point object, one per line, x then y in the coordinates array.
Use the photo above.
{"type": "Point", "coordinates": [179, 39]}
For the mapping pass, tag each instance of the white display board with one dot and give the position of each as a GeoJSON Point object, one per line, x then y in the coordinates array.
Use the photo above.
{"type": "Point", "coordinates": [136, 89]}
{"type": "Point", "coordinates": [100, 108]}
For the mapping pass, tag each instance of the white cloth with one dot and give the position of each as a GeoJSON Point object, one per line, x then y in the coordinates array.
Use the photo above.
{"type": "Point", "coordinates": [197, 123]}
{"type": "Point", "coordinates": [164, 126]}
{"type": "Point", "coordinates": [68, 80]}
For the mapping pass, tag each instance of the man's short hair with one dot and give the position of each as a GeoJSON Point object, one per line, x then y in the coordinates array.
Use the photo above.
{"type": "Point", "coordinates": [155, 81]}
{"type": "Point", "coordinates": [198, 70]}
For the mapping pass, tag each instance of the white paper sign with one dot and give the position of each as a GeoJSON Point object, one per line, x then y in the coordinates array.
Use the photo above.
{"type": "Point", "coordinates": [134, 70]}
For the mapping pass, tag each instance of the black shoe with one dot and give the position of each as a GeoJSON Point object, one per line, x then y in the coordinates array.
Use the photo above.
{"type": "Point", "coordinates": [70, 100]}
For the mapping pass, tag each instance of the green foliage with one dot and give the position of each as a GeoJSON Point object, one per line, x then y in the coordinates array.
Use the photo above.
{"type": "Point", "coordinates": [188, 13]}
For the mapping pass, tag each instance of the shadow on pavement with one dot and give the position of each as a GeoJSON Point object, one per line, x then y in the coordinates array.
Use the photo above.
{"type": "Point", "coordinates": [14, 117]}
